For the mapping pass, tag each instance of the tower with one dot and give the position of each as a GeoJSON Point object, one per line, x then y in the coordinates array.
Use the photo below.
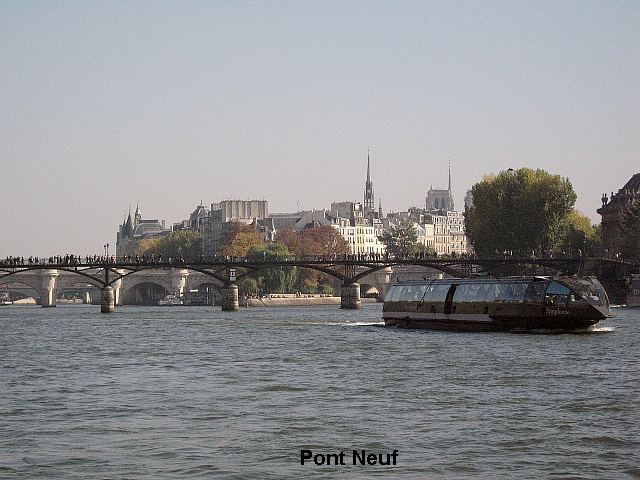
{"type": "Point", "coordinates": [137, 217]}
{"type": "Point", "coordinates": [450, 198]}
{"type": "Point", "coordinates": [369, 201]}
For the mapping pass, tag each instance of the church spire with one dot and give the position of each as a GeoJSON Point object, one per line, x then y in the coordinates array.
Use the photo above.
{"type": "Point", "coordinates": [137, 216]}
{"type": "Point", "coordinates": [369, 201]}
{"type": "Point", "coordinates": [450, 196]}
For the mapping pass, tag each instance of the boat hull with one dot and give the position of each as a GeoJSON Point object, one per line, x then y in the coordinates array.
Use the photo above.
{"type": "Point", "coordinates": [516, 324]}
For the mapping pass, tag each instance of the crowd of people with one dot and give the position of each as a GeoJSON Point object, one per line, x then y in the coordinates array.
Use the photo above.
{"type": "Point", "coordinates": [152, 259]}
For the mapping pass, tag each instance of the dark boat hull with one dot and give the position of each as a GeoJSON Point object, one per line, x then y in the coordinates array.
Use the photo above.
{"type": "Point", "coordinates": [489, 324]}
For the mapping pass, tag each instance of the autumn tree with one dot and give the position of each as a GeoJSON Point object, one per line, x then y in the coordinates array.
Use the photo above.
{"type": "Point", "coordinates": [290, 238]}
{"type": "Point", "coordinates": [521, 211]}
{"type": "Point", "coordinates": [324, 241]}
{"type": "Point", "coordinates": [237, 239]}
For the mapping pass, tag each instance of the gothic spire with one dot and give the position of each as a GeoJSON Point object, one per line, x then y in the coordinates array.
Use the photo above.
{"type": "Point", "coordinates": [369, 201]}
{"type": "Point", "coordinates": [450, 196]}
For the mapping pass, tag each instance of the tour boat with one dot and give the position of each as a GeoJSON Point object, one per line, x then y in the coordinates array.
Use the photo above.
{"type": "Point", "coordinates": [495, 304]}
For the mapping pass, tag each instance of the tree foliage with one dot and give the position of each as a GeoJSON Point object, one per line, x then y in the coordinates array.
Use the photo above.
{"type": "Point", "coordinates": [238, 239]}
{"type": "Point", "coordinates": [181, 243]}
{"type": "Point", "coordinates": [401, 240]}
{"type": "Point", "coordinates": [579, 236]}
{"type": "Point", "coordinates": [323, 241]}
{"type": "Point", "coordinates": [521, 211]}
{"type": "Point", "coordinates": [290, 238]}
{"type": "Point", "coordinates": [275, 279]}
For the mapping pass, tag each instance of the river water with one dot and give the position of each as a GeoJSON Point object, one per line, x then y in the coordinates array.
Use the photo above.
{"type": "Point", "coordinates": [199, 393]}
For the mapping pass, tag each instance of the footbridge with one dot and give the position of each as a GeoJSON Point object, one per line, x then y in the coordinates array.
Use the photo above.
{"type": "Point", "coordinates": [115, 278]}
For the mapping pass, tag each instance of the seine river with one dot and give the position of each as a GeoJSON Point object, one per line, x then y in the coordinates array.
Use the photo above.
{"type": "Point", "coordinates": [199, 393]}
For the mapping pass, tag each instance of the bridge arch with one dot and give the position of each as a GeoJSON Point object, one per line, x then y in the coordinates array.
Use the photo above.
{"type": "Point", "coordinates": [19, 284]}
{"type": "Point", "coordinates": [144, 293]}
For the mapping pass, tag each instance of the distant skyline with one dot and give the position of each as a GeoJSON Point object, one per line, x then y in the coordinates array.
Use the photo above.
{"type": "Point", "coordinates": [163, 103]}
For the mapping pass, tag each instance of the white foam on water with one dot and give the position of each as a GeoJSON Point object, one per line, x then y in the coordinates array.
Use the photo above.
{"type": "Point", "coordinates": [601, 329]}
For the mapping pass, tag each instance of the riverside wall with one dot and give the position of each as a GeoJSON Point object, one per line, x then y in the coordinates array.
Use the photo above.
{"type": "Point", "coordinates": [293, 301]}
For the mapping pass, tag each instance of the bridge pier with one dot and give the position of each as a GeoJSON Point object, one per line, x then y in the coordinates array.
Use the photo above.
{"type": "Point", "coordinates": [350, 296]}
{"type": "Point", "coordinates": [107, 300]}
{"type": "Point", "coordinates": [179, 281]}
{"type": "Point", "coordinates": [49, 292]}
{"type": "Point", "coordinates": [117, 287]}
{"type": "Point", "coordinates": [230, 302]}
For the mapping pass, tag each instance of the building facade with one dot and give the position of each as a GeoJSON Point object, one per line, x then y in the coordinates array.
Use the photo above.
{"type": "Point", "coordinates": [135, 229]}
{"type": "Point", "coordinates": [440, 200]}
{"type": "Point", "coordinates": [611, 212]}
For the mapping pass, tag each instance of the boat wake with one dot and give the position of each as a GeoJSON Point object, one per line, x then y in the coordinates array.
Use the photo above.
{"type": "Point", "coordinates": [600, 329]}
{"type": "Point", "coordinates": [351, 324]}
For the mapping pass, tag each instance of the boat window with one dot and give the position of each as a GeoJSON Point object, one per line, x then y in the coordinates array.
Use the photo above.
{"type": "Point", "coordinates": [590, 290]}
{"type": "Point", "coordinates": [556, 288]}
{"type": "Point", "coordinates": [470, 292]}
{"type": "Point", "coordinates": [557, 294]}
{"type": "Point", "coordinates": [436, 292]}
{"type": "Point", "coordinates": [412, 293]}
{"type": "Point", "coordinates": [511, 292]}
{"type": "Point", "coordinates": [393, 295]}
{"type": "Point", "coordinates": [488, 292]}
{"type": "Point", "coordinates": [405, 293]}
{"type": "Point", "coordinates": [535, 291]}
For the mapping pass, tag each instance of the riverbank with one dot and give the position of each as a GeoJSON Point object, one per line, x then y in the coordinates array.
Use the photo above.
{"type": "Point", "coordinates": [293, 301]}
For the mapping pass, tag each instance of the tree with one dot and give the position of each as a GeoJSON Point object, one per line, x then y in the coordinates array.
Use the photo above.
{"type": "Point", "coordinates": [579, 234]}
{"type": "Point", "coordinates": [323, 241]}
{"type": "Point", "coordinates": [290, 238]}
{"type": "Point", "coordinates": [521, 212]}
{"type": "Point", "coordinates": [400, 240]}
{"type": "Point", "coordinates": [237, 239]}
{"type": "Point", "coordinates": [630, 232]}
{"type": "Point", "coordinates": [185, 243]}
{"type": "Point", "coordinates": [274, 279]}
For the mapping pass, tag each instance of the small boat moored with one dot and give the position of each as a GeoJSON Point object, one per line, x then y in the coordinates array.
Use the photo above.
{"type": "Point", "coordinates": [497, 304]}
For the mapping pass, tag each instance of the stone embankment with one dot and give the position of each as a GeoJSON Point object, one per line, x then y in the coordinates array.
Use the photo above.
{"type": "Point", "coordinates": [294, 301]}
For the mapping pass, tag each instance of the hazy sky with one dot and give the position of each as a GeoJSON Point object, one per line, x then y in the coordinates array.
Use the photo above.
{"type": "Point", "coordinates": [106, 104]}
